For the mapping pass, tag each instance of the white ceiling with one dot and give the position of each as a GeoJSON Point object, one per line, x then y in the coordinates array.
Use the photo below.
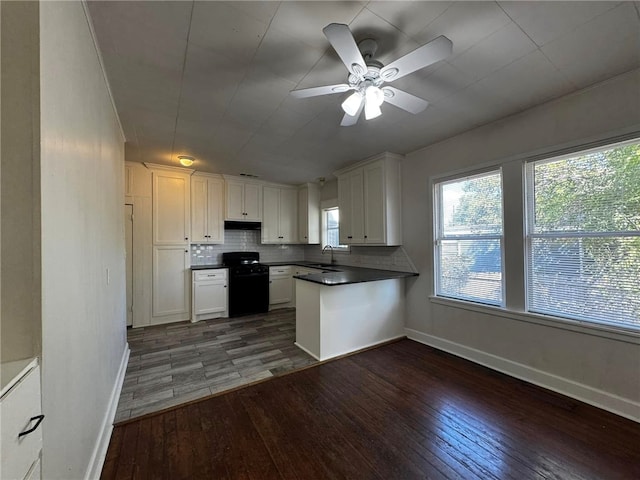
{"type": "Point", "coordinates": [212, 79]}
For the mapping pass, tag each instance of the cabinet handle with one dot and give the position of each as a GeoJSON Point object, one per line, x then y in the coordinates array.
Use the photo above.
{"type": "Point", "coordinates": [365, 236]}
{"type": "Point", "coordinates": [186, 238]}
{"type": "Point", "coordinates": [349, 236]}
{"type": "Point", "coordinates": [186, 251]}
{"type": "Point", "coordinates": [39, 419]}
{"type": "Point", "coordinates": [225, 286]}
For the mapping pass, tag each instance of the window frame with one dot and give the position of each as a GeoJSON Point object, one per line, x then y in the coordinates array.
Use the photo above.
{"type": "Point", "coordinates": [439, 237]}
{"type": "Point", "coordinates": [324, 207]}
{"type": "Point", "coordinates": [530, 235]}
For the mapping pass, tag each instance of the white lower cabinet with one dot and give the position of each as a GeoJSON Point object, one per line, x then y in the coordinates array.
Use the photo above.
{"type": "Point", "coordinates": [170, 284]}
{"type": "Point", "coordinates": [210, 295]}
{"type": "Point", "coordinates": [280, 287]}
{"type": "Point", "coordinates": [20, 412]}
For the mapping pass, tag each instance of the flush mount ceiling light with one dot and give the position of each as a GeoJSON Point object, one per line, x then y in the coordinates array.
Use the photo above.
{"type": "Point", "coordinates": [185, 160]}
{"type": "Point", "coordinates": [366, 76]}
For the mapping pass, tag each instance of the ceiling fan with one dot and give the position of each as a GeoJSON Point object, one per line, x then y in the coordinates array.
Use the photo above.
{"type": "Point", "coordinates": [367, 76]}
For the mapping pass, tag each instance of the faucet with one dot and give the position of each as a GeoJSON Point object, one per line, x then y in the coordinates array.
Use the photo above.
{"type": "Point", "coordinates": [331, 249]}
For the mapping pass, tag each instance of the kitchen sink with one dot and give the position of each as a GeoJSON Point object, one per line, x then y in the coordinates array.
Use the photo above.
{"type": "Point", "coordinates": [324, 266]}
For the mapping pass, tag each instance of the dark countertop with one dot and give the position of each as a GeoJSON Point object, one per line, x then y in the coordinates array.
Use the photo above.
{"type": "Point", "coordinates": [207, 267]}
{"type": "Point", "coordinates": [345, 275]}
{"type": "Point", "coordinates": [332, 275]}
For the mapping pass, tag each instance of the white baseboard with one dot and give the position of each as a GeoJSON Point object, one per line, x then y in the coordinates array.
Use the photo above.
{"type": "Point", "coordinates": [599, 398]}
{"type": "Point", "coordinates": [102, 443]}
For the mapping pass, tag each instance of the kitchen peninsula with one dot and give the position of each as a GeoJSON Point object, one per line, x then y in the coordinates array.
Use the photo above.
{"type": "Point", "coordinates": [347, 309]}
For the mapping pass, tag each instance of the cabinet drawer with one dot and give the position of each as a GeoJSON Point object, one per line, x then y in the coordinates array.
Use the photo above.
{"type": "Point", "coordinates": [203, 275]}
{"type": "Point", "coordinates": [279, 270]}
{"type": "Point", "coordinates": [16, 408]}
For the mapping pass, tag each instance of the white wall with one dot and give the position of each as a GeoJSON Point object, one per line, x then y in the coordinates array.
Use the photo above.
{"type": "Point", "coordinates": [583, 362]}
{"type": "Point", "coordinates": [83, 307]}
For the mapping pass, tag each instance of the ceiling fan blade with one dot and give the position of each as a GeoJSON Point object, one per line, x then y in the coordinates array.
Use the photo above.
{"type": "Point", "coordinates": [404, 100]}
{"type": "Point", "coordinates": [316, 91]}
{"type": "Point", "coordinates": [341, 38]}
{"type": "Point", "coordinates": [421, 57]}
{"type": "Point", "coordinates": [349, 120]}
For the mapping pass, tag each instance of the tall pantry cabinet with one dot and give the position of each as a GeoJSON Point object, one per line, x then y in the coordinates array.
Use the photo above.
{"type": "Point", "coordinates": [171, 228]}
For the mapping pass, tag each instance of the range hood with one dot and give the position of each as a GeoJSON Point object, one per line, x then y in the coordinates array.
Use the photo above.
{"type": "Point", "coordinates": [228, 225]}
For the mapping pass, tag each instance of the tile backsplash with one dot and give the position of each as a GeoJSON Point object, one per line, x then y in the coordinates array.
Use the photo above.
{"type": "Point", "coordinates": [383, 258]}
{"type": "Point", "coordinates": [245, 241]}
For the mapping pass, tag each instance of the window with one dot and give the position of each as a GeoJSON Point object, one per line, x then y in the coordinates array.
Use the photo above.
{"type": "Point", "coordinates": [331, 228]}
{"type": "Point", "coordinates": [583, 236]}
{"type": "Point", "coordinates": [468, 241]}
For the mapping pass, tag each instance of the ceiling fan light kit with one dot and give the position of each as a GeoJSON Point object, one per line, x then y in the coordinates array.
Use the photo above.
{"type": "Point", "coordinates": [367, 76]}
{"type": "Point", "coordinates": [352, 104]}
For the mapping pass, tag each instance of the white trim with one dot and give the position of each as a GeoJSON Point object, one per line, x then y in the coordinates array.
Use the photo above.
{"type": "Point", "coordinates": [94, 38]}
{"type": "Point", "coordinates": [362, 163]}
{"type": "Point", "coordinates": [588, 328]}
{"type": "Point", "coordinates": [169, 168]}
{"type": "Point", "coordinates": [365, 346]}
{"type": "Point", "coordinates": [94, 468]}
{"type": "Point", "coordinates": [613, 403]}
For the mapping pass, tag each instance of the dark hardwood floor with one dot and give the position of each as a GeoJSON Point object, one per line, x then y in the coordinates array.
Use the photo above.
{"type": "Point", "coordinates": [400, 411]}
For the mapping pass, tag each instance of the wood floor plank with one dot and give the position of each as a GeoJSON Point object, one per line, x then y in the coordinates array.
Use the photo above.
{"type": "Point", "coordinates": [561, 432]}
{"type": "Point", "coordinates": [400, 411]}
{"type": "Point", "coordinates": [485, 409]}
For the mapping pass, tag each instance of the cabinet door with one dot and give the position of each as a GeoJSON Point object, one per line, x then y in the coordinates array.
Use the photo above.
{"type": "Point", "coordinates": [210, 297]}
{"type": "Point", "coordinates": [252, 202]}
{"type": "Point", "coordinates": [235, 200]}
{"type": "Point", "coordinates": [128, 180]}
{"type": "Point", "coordinates": [199, 207]}
{"type": "Point", "coordinates": [171, 212]}
{"type": "Point", "coordinates": [357, 207]}
{"type": "Point", "coordinates": [280, 289]}
{"type": "Point", "coordinates": [344, 206]}
{"type": "Point", "coordinates": [269, 231]}
{"type": "Point", "coordinates": [215, 206]}
{"type": "Point", "coordinates": [288, 213]}
{"type": "Point", "coordinates": [171, 282]}
{"type": "Point", "coordinates": [303, 215]}
{"type": "Point", "coordinates": [374, 203]}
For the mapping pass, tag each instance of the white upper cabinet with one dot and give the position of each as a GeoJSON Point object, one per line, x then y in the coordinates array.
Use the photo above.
{"type": "Point", "coordinates": [207, 208]}
{"type": "Point", "coordinates": [244, 200]}
{"type": "Point", "coordinates": [351, 206]}
{"type": "Point", "coordinates": [369, 202]}
{"type": "Point", "coordinates": [280, 216]}
{"type": "Point", "coordinates": [309, 213]}
{"type": "Point", "coordinates": [171, 207]}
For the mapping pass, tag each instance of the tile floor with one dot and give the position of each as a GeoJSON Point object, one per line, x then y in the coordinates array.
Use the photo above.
{"type": "Point", "coordinates": [176, 363]}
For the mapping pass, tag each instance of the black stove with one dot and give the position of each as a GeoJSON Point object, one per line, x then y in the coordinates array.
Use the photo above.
{"type": "Point", "coordinates": [248, 283]}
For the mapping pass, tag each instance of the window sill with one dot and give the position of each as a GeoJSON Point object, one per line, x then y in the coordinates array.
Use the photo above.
{"type": "Point", "coordinates": [623, 334]}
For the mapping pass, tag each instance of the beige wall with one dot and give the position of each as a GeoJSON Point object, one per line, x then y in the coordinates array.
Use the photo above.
{"type": "Point", "coordinates": [20, 251]}
{"type": "Point", "coordinates": [83, 279]}
{"type": "Point", "coordinates": [583, 362]}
